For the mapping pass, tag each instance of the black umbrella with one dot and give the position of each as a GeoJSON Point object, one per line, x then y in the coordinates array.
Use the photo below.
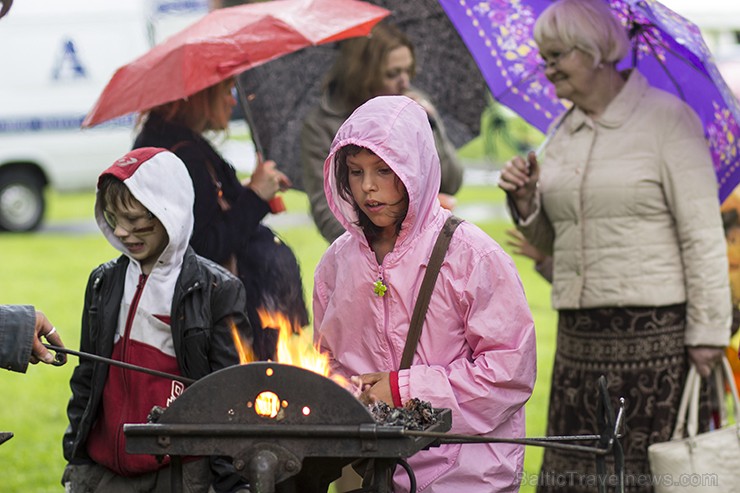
{"type": "Point", "coordinates": [281, 92]}
{"type": "Point", "coordinates": [4, 7]}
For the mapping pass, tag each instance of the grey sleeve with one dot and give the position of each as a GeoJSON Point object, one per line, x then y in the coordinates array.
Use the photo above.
{"type": "Point", "coordinates": [451, 169]}
{"type": "Point", "coordinates": [17, 324]}
{"type": "Point", "coordinates": [315, 144]}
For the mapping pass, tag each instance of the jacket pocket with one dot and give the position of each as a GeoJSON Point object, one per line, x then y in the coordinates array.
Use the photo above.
{"type": "Point", "coordinates": [195, 351]}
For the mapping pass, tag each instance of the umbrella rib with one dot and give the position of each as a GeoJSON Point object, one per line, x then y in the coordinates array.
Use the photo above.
{"type": "Point", "coordinates": [665, 69]}
{"type": "Point", "coordinates": [642, 32]}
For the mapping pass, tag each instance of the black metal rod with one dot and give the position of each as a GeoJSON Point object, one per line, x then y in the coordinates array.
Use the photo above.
{"type": "Point", "coordinates": [5, 436]}
{"type": "Point", "coordinates": [346, 431]}
{"type": "Point", "coordinates": [367, 431]}
{"type": "Point", "coordinates": [548, 442]}
{"type": "Point", "coordinates": [128, 366]}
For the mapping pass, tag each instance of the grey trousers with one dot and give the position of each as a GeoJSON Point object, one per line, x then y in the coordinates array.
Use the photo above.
{"type": "Point", "coordinates": [92, 478]}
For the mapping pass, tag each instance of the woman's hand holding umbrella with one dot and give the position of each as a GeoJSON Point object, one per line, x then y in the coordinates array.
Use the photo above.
{"type": "Point", "coordinates": [519, 180]}
{"type": "Point", "coordinates": [266, 181]}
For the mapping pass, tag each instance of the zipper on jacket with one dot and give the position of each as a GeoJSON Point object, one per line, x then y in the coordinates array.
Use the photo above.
{"type": "Point", "coordinates": [124, 356]}
{"type": "Point", "coordinates": [386, 315]}
{"type": "Point", "coordinates": [130, 317]}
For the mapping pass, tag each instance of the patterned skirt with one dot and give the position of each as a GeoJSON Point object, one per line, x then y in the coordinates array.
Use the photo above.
{"type": "Point", "coordinates": [641, 353]}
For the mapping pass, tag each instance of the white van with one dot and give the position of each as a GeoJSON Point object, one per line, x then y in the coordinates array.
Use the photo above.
{"type": "Point", "coordinates": [56, 58]}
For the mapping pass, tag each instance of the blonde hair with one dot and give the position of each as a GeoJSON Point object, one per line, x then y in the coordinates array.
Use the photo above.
{"type": "Point", "coordinates": [200, 112]}
{"type": "Point", "coordinates": [357, 74]}
{"type": "Point", "coordinates": [588, 25]}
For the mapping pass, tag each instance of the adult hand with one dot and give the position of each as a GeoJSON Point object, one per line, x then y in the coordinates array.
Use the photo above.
{"type": "Point", "coordinates": [267, 180]}
{"type": "Point", "coordinates": [705, 357]}
{"type": "Point", "coordinates": [522, 247]}
{"type": "Point", "coordinates": [375, 387]}
{"type": "Point", "coordinates": [38, 352]}
{"type": "Point", "coordinates": [519, 179]}
{"type": "Point", "coordinates": [447, 201]}
{"type": "Point", "coordinates": [424, 103]}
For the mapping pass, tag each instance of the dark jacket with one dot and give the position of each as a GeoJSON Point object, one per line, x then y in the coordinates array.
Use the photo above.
{"type": "Point", "coordinates": [267, 267]}
{"type": "Point", "coordinates": [202, 312]}
{"type": "Point", "coordinates": [17, 323]}
{"type": "Point", "coordinates": [217, 234]}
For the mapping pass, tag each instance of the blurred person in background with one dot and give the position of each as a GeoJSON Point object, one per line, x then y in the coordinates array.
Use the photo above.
{"type": "Point", "coordinates": [624, 196]}
{"type": "Point", "coordinates": [380, 64]}
{"type": "Point", "coordinates": [229, 211]}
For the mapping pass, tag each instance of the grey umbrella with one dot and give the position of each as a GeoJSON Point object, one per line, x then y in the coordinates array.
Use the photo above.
{"type": "Point", "coordinates": [281, 92]}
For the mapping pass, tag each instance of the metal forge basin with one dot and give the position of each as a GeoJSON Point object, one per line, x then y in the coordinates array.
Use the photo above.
{"type": "Point", "coordinates": [316, 428]}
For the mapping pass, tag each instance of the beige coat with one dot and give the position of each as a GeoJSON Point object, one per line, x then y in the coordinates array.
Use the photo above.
{"type": "Point", "coordinates": [628, 205]}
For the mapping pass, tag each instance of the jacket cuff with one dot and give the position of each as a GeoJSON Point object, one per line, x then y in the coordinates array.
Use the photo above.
{"type": "Point", "coordinates": [404, 392]}
{"type": "Point", "coordinates": [16, 340]}
{"type": "Point", "coordinates": [251, 202]}
{"type": "Point", "coordinates": [395, 392]}
{"type": "Point", "coordinates": [536, 206]}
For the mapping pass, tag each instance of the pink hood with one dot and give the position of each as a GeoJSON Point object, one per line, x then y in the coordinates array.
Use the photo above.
{"type": "Point", "coordinates": [476, 355]}
{"type": "Point", "coordinates": [406, 122]}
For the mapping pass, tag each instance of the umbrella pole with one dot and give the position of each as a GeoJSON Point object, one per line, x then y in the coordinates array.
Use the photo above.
{"type": "Point", "coordinates": [250, 119]}
{"type": "Point", "coordinates": [276, 203]}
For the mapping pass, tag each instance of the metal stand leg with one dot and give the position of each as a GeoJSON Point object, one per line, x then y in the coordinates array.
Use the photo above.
{"type": "Point", "coordinates": [176, 476]}
{"type": "Point", "coordinates": [609, 441]}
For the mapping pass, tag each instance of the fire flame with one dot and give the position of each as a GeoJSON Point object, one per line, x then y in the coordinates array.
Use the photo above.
{"type": "Point", "coordinates": [294, 347]}
{"type": "Point", "coordinates": [243, 349]}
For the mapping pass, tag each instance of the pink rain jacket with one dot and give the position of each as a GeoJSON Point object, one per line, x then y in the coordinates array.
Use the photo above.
{"type": "Point", "coordinates": [476, 355]}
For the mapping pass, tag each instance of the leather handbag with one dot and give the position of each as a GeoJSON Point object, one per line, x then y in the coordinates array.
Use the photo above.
{"type": "Point", "coordinates": [697, 462]}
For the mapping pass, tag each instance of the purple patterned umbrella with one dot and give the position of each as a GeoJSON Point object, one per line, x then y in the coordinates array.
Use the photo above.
{"type": "Point", "coordinates": [667, 49]}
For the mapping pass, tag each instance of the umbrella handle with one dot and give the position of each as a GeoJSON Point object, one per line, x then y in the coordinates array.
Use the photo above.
{"type": "Point", "coordinates": [249, 117]}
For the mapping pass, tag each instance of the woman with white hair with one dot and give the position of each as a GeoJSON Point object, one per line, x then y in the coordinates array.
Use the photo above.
{"type": "Point", "coordinates": [624, 197]}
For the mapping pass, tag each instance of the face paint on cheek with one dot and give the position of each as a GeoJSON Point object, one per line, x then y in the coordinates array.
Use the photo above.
{"type": "Point", "coordinates": [145, 231]}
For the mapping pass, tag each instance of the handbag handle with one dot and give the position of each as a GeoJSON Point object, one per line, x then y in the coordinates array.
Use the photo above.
{"type": "Point", "coordinates": [425, 291]}
{"type": "Point", "coordinates": [722, 374]}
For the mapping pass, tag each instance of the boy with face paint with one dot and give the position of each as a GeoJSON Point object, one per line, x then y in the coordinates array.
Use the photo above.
{"type": "Point", "coordinates": [159, 306]}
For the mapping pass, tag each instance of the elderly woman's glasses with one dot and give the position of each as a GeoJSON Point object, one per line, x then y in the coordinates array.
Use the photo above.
{"type": "Point", "coordinates": [554, 58]}
{"type": "Point", "coordinates": [133, 225]}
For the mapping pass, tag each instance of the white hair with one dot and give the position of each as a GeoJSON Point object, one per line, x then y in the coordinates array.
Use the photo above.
{"type": "Point", "coordinates": [588, 25]}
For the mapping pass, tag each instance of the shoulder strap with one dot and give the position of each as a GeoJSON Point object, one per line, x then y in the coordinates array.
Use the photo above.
{"type": "Point", "coordinates": [427, 286]}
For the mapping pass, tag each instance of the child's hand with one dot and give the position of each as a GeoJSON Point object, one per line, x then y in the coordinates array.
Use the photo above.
{"type": "Point", "coordinates": [374, 387]}
{"type": "Point", "coordinates": [522, 247]}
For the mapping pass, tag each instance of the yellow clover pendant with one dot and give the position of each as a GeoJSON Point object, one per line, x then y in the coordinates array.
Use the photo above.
{"type": "Point", "coordinates": [379, 288]}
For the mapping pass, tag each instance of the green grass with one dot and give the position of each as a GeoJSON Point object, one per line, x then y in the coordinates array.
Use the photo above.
{"type": "Point", "coordinates": [51, 270]}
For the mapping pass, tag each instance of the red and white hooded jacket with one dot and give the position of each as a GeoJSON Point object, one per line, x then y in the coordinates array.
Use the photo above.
{"type": "Point", "coordinates": [159, 180]}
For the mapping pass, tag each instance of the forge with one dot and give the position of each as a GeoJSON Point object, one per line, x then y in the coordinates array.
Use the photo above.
{"type": "Point", "coordinates": [286, 429]}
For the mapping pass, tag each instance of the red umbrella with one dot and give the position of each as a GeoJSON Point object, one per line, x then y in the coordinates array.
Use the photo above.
{"type": "Point", "coordinates": [227, 42]}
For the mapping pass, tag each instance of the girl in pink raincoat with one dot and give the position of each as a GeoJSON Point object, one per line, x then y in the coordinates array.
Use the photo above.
{"type": "Point", "coordinates": [476, 355]}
